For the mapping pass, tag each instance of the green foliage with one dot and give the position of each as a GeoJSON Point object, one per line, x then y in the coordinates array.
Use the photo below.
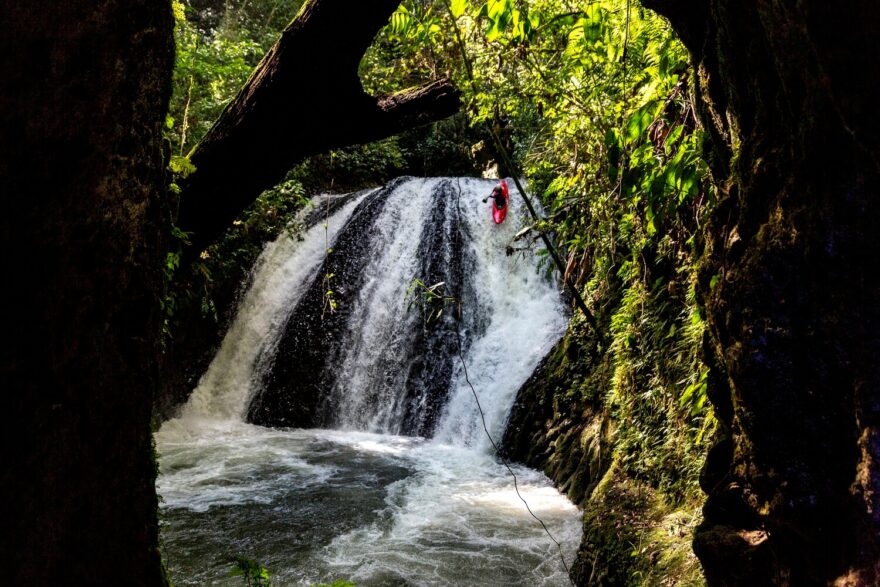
{"type": "Point", "coordinates": [181, 166]}
{"type": "Point", "coordinates": [218, 46]}
{"type": "Point", "coordinates": [211, 281]}
{"type": "Point", "coordinates": [431, 300]}
{"type": "Point", "coordinates": [415, 47]}
{"type": "Point", "coordinates": [219, 42]}
{"type": "Point", "coordinates": [330, 303]}
{"type": "Point", "coordinates": [657, 391]}
{"type": "Point", "coordinates": [253, 573]}
{"type": "Point", "coordinates": [352, 167]}
{"type": "Point", "coordinates": [636, 537]}
{"type": "Point", "coordinates": [600, 118]}
{"type": "Point", "coordinates": [593, 102]}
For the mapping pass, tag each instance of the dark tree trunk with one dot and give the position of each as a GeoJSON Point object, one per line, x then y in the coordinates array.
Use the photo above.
{"type": "Point", "coordinates": [304, 98]}
{"type": "Point", "coordinates": [788, 92]}
{"type": "Point", "coordinates": [86, 87]}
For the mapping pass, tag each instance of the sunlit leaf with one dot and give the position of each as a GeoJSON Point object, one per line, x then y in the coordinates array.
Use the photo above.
{"type": "Point", "coordinates": [458, 7]}
{"type": "Point", "coordinates": [640, 120]}
{"type": "Point", "coordinates": [401, 20]}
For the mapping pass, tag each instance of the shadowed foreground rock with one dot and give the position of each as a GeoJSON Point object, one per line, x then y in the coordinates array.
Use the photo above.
{"type": "Point", "coordinates": [788, 92]}
{"type": "Point", "coordinates": [86, 87]}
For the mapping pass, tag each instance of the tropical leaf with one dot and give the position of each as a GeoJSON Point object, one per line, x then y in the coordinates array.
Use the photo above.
{"type": "Point", "coordinates": [458, 7]}
{"type": "Point", "coordinates": [401, 20]}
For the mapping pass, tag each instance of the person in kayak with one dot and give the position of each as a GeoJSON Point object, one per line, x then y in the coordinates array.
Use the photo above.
{"type": "Point", "coordinates": [498, 195]}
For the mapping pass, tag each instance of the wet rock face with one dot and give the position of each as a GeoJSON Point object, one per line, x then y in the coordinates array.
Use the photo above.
{"type": "Point", "coordinates": [292, 388]}
{"type": "Point", "coordinates": [794, 316]}
{"type": "Point", "coordinates": [435, 345]}
{"type": "Point", "coordinates": [570, 442]}
{"type": "Point", "coordinates": [300, 389]}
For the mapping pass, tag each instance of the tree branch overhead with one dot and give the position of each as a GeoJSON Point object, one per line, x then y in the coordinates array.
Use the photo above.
{"type": "Point", "coordinates": [304, 98]}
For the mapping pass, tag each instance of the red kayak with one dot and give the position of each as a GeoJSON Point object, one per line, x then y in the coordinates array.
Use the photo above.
{"type": "Point", "coordinates": [499, 212]}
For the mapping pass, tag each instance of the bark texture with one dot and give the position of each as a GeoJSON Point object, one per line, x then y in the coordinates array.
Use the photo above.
{"type": "Point", "coordinates": [787, 91]}
{"type": "Point", "coordinates": [304, 98]}
{"type": "Point", "coordinates": [86, 87]}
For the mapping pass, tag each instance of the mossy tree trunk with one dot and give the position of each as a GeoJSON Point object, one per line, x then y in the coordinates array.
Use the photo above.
{"type": "Point", "coordinates": [788, 92]}
{"type": "Point", "coordinates": [86, 87]}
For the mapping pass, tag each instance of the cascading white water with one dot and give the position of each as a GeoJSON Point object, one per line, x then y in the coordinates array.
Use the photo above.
{"type": "Point", "coordinates": [280, 276]}
{"type": "Point", "coordinates": [524, 319]}
{"type": "Point", "coordinates": [380, 317]}
{"type": "Point", "coordinates": [379, 509]}
{"type": "Point", "coordinates": [510, 316]}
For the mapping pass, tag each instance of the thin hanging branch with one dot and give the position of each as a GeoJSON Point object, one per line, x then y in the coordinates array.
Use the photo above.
{"type": "Point", "coordinates": [185, 124]}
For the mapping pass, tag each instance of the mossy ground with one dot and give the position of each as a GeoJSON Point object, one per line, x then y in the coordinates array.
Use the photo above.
{"type": "Point", "coordinates": [634, 536]}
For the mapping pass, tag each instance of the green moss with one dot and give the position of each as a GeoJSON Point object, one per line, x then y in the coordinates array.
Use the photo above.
{"type": "Point", "coordinates": [633, 536]}
{"type": "Point", "coordinates": [634, 397]}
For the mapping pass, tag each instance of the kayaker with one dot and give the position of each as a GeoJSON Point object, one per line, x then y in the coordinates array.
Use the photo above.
{"type": "Point", "coordinates": [498, 195]}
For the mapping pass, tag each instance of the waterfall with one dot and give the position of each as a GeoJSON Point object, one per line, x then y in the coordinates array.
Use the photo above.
{"type": "Point", "coordinates": [279, 278]}
{"type": "Point", "coordinates": [380, 364]}
{"type": "Point", "coordinates": [335, 434]}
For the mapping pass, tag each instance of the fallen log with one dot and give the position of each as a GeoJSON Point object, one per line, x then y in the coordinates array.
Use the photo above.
{"type": "Point", "coordinates": [304, 98]}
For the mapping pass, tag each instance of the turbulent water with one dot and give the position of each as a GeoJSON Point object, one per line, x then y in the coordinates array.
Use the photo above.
{"type": "Point", "coordinates": [398, 484]}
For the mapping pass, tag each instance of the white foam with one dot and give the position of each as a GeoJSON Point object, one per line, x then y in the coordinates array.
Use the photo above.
{"type": "Point", "coordinates": [212, 463]}
{"type": "Point", "coordinates": [281, 275]}
{"type": "Point", "coordinates": [452, 516]}
{"type": "Point", "coordinates": [379, 316]}
{"type": "Point", "coordinates": [524, 319]}
{"type": "Point", "coordinates": [458, 520]}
